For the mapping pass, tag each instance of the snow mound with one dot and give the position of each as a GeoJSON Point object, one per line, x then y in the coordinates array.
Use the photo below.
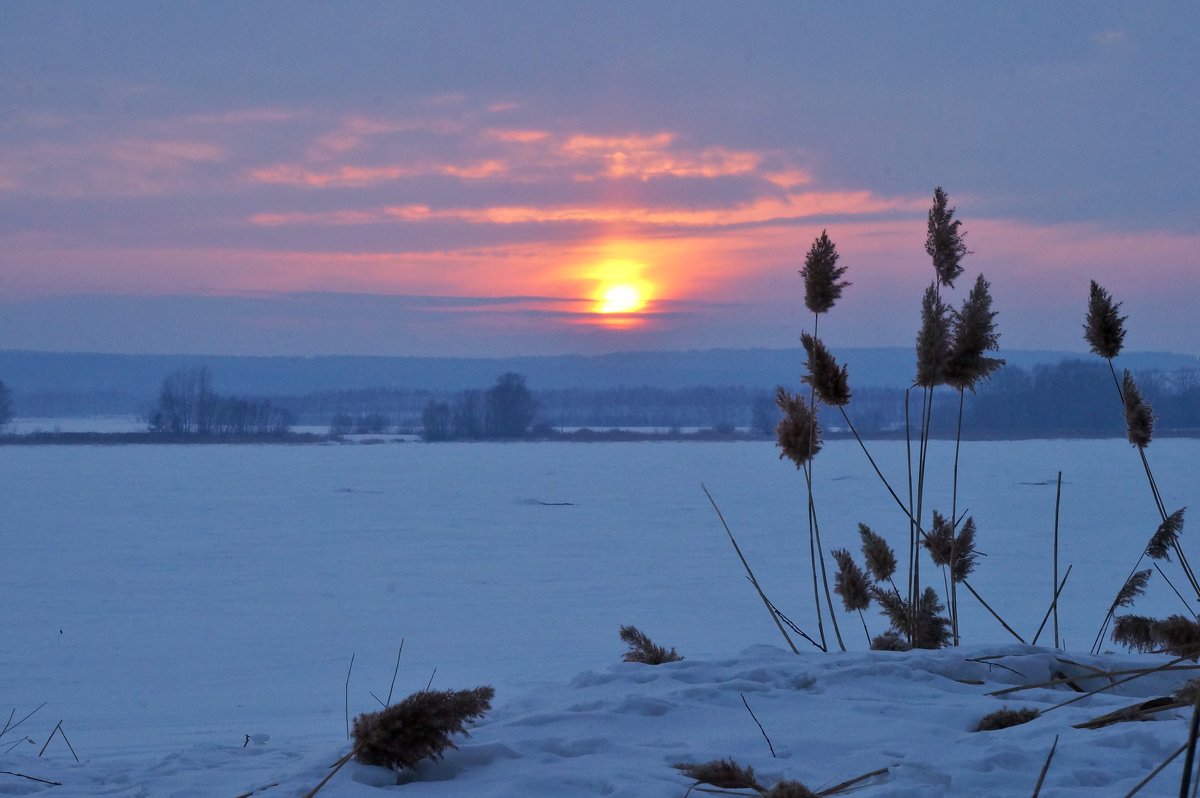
{"type": "Point", "coordinates": [617, 731]}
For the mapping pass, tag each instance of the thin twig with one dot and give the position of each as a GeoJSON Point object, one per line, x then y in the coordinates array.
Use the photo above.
{"type": "Point", "coordinates": [394, 672]}
{"type": "Point", "coordinates": [990, 664]}
{"type": "Point", "coordinates": [63, 734]}
{"type": "Point", "coordinates": [10, 725]}
{"type": "Point", "coordinates": [1037, 788]}
{"type": "Point", "coordinates": [760, 726]}
{"type": "Point", "coordinates": [31, 778]}
{"type": "Point", "coordinates": [347, 695]}
{"type": "Point", "coordinates": [792, 625]}
{"type": "Point", "coordinates": [749, 572]}
{"type": "Point", "coordinates": [51, 737]}
{"type": "Point", "coordinates": [430, 682]}
{"type": "Point", "coordinates": [256, 790]}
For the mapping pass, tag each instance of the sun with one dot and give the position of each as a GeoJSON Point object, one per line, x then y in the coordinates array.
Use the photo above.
{"type": "Point", "coordinates": [620, 298]}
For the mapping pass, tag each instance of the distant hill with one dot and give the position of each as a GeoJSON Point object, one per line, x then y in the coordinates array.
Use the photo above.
{"type": "Point", "coordinates": [137, 377]}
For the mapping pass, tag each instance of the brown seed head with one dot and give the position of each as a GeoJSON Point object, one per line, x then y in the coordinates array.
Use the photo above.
{"type": "Point", "coordinates": [880, 559]}
{"type": "Point", "coordinates": [831, 383]}
{"type": "Point", "coordinates": [943, 241]}
{"type": "Point", "coordinates": [933, 341]}
{"type": "Point", "coordinates": [1166, 537]}
{"type": "Point", "coordinates": [798, 433]}
{"type": "Point", "coordinates": [1104, 327]}
{"type": "Point", "coordinates": [822, 276]}
{"type": "Point", "coordinates": [850, 582]}
{"type": "Point", "coordinates": [940, 539]}
{"type": "Point", "coordinates": [973, 333]}
{"type": "Point", "coordinates": [1134, 587]}
{"type": "Point", "coordinates": [726, 774]}
{"type": "Point", "coordinates": [1139, 416]}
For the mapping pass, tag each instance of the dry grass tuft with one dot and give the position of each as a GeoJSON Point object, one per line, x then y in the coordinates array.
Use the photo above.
{"type": "Point", "coordinates": [642, 649]}
{"type": "Point", "coordinates": [725, 774]}
{"type": "Point", "coordinates": [851, 583]}
{"type": "Point", "coordinates": [880, 559]}
{"type": "Point", "coordinates": [822, 276]}
{"type": "Point", "coordinates": [890, 641]}
{"type": "Point", "coordinates": [419, 727]}
{"type": "Point", "coordinates": [1167, 537]}
{"type": "Point", "coordinates": [789, 789]}
{"type": "Point", "coordinates": [798, 434]}
{"type": "Point", "coordinates": [830, 382]}
{"type": "Point", "coordinates": [1104, 329]}
{"type": "Point", "coordinates": [924, 625]}
{"type": "Point", "coordinates": [1004, 718]}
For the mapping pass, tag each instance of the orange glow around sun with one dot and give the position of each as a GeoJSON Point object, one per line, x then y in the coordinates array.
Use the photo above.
{"type": "Point", "coordinates": [620, 293]}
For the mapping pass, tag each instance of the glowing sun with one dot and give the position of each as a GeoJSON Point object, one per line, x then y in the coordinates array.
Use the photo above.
{"type": "Point", "coordinates": [621, 298]}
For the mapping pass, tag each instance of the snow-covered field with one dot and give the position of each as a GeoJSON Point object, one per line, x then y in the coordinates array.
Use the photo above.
{"type": "Point", "coordinates": [167, 602]}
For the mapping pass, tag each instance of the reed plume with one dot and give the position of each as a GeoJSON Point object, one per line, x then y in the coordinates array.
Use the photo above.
{"type": "Point", "coordinates": [973, 333]}
{"type": "Point", "coordinates": [1139, 416]}
{"type": "Point", "coordinates": [880, 559]}
{"type": "Point", "coordinates": [851, 583]}
{"type": "Point", "coordinates": [943, 241]}
{"type": "Point", "coordinates": [830, 382]}
{"type": "Point", "coordinates": [642, 649]}
{"type": "Point", "coordinates": [798, 434]}
{"type": "Point", "coordinates": [923, 625]}
{"type": "Point", "coordinates": [822, 276]}
{"type": "Point", "coordinates": [933, 341]}
{"type": "Point", "coordinates": [1104, 328]}
{"type": "Point", "coordinates": [419, 727]}
{"type": "Point", "coordinates": [1134, 587]}
{"type": "Point", "coordinates": [1166, 537]}
{"type": "Point", "coordinates": [725, 774]}
{"type": "Point", "coordinates": [940, 539]}
{"type": "Point", "coordinates": [890, 641]}
{"type": "Point", "coordinates": [1176, 635]}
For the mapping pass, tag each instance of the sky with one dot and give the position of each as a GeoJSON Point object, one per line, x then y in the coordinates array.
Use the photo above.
{"type": "Point", "coordinates": [489, 179]}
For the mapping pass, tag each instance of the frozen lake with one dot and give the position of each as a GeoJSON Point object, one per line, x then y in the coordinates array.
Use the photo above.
{"type": "Point", "coordinates": [231, 584]}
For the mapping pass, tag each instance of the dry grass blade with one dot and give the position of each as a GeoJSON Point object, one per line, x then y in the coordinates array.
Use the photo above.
{"type": "Point", "coordinates": [1037, 788]}
{"type": "Point", "coordinates": [1141, 711]}
{"type": "Point", "coordinates": [851, 783]}
{"type": "Point", "coordinates": [749, 573]}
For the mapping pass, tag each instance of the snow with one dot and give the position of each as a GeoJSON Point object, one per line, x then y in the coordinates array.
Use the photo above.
{"type": "Point", "coordinates": [170, 602]}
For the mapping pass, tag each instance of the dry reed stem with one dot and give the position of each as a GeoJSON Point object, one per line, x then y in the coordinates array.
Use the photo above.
{"type": "Point", "coordinates": [1101, 674]}
{"type": "Point", "coordinates": [1053, 608]}
{"type": "Point", "coordinates": [749, 572]}
{"type": "Point", "coordinates": [31, 778]}
{"type": "Point", "coordinates": [1054, 604]}
{"type": "Point", "coordinates": [1037, 788]}
{"type": "Point", "coordinates": [1134, 712]}
{"type": "Point", "coordinates": [849, 783]}
{"type": "Point", "coordinates": [346, 695]}
{"type": "Point", "coordinates": [333, 769]}
{"type": "Point", "coordinates": [1117, 683]}
{"type": "Point", "coordinates": [395, 671]}
{"type": "Point", "coordinates": [1193, 732]}
{"type": "Point", "coordinates": [995, 614]}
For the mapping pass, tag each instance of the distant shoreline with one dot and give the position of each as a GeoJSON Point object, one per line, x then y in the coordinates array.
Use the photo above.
{"type": "Point", "coordinates": [575, 436]}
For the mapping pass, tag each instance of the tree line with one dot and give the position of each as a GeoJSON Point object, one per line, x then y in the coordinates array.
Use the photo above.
{"type": "Point", "coordinates": [188, 405]}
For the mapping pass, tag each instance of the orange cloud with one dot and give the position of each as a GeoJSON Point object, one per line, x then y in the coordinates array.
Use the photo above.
{"type": "Point", "coordinates": [517, 136]}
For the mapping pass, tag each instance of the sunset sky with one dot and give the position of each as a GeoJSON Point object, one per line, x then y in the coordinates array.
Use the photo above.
{"type": "Point", "coordinates": [501, 178]}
